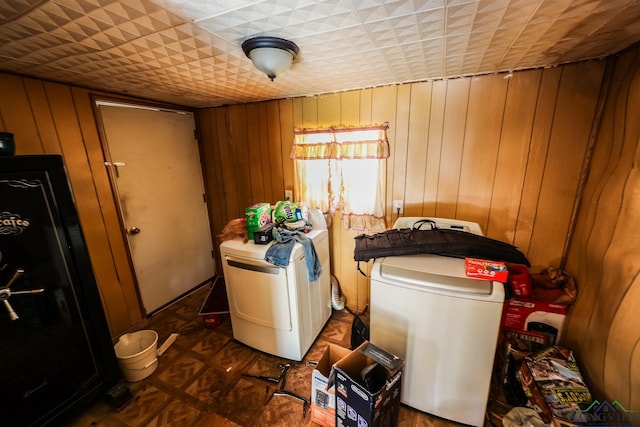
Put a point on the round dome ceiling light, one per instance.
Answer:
(271, 55)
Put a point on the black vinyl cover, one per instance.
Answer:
(453, 243)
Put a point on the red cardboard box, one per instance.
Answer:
(527, 315)
(483, 269)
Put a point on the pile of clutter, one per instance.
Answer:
(260, 219)
(540, 380)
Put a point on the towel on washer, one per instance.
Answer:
(279, 252)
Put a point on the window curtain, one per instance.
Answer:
(343, 168)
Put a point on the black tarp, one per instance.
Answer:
(447, 242)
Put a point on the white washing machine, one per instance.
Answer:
(444, 324)
(274, 309)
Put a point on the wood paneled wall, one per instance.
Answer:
(505, 150)
(604, 255)
(50, 118)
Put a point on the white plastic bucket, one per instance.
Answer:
(137, 354)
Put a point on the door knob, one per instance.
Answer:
(134, 230)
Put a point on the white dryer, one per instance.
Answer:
(444, 324)
(274, 309)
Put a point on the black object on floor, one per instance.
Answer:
(119, 395)
(359, 332)
(216, 302)
(280, 391)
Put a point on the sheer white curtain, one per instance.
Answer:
(343, 168)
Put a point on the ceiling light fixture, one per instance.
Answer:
(271, 55)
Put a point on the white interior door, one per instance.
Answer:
(156, 164)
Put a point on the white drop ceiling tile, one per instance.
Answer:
(489, 17)
(474, 56)
(283, 18)
(477, 46)
(153, 48)
(336, 44)
(487, 21)
(114, 14)
(494, 55)
(83, 28)
(202, 9)
(453, 66)
(394, 58)
(386, 33)
(490, 6)
(371, 10)
(429, 24)
(518, 13)
(456, 45)
(532, 33)
(457, 2)
(83, 6)
(551, 10)
(470, 68)
(406, 28)
(123, 34)
(134, 10)
(57, 14)
(11, 49)
(35, 25)
(34, 46)
(356, 33)
(461, 14)
(14, 31)
(425, 50)
(579, 10)
(505, 36)
(9, 9)
(431, 30)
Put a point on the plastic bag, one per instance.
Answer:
(234, 228)
(522, 417)
(554, 286)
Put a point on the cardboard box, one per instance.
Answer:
(323, 397)
(484, 269)
(371, 401)
(257, 215)
(553, 383)
(527, 315)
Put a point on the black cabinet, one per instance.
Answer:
(55, 347)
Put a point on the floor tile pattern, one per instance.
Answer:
(202, 381)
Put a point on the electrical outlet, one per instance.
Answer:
(398, 206)
(288, 195)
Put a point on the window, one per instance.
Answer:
(343, 168)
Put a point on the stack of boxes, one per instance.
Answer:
(535, 324)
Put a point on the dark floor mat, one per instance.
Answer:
(216, 302)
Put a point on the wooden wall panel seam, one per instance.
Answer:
(605, 87)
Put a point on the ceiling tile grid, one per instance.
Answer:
(188, 51)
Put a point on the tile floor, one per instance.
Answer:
(199, 381)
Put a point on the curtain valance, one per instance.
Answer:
(368, 142)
